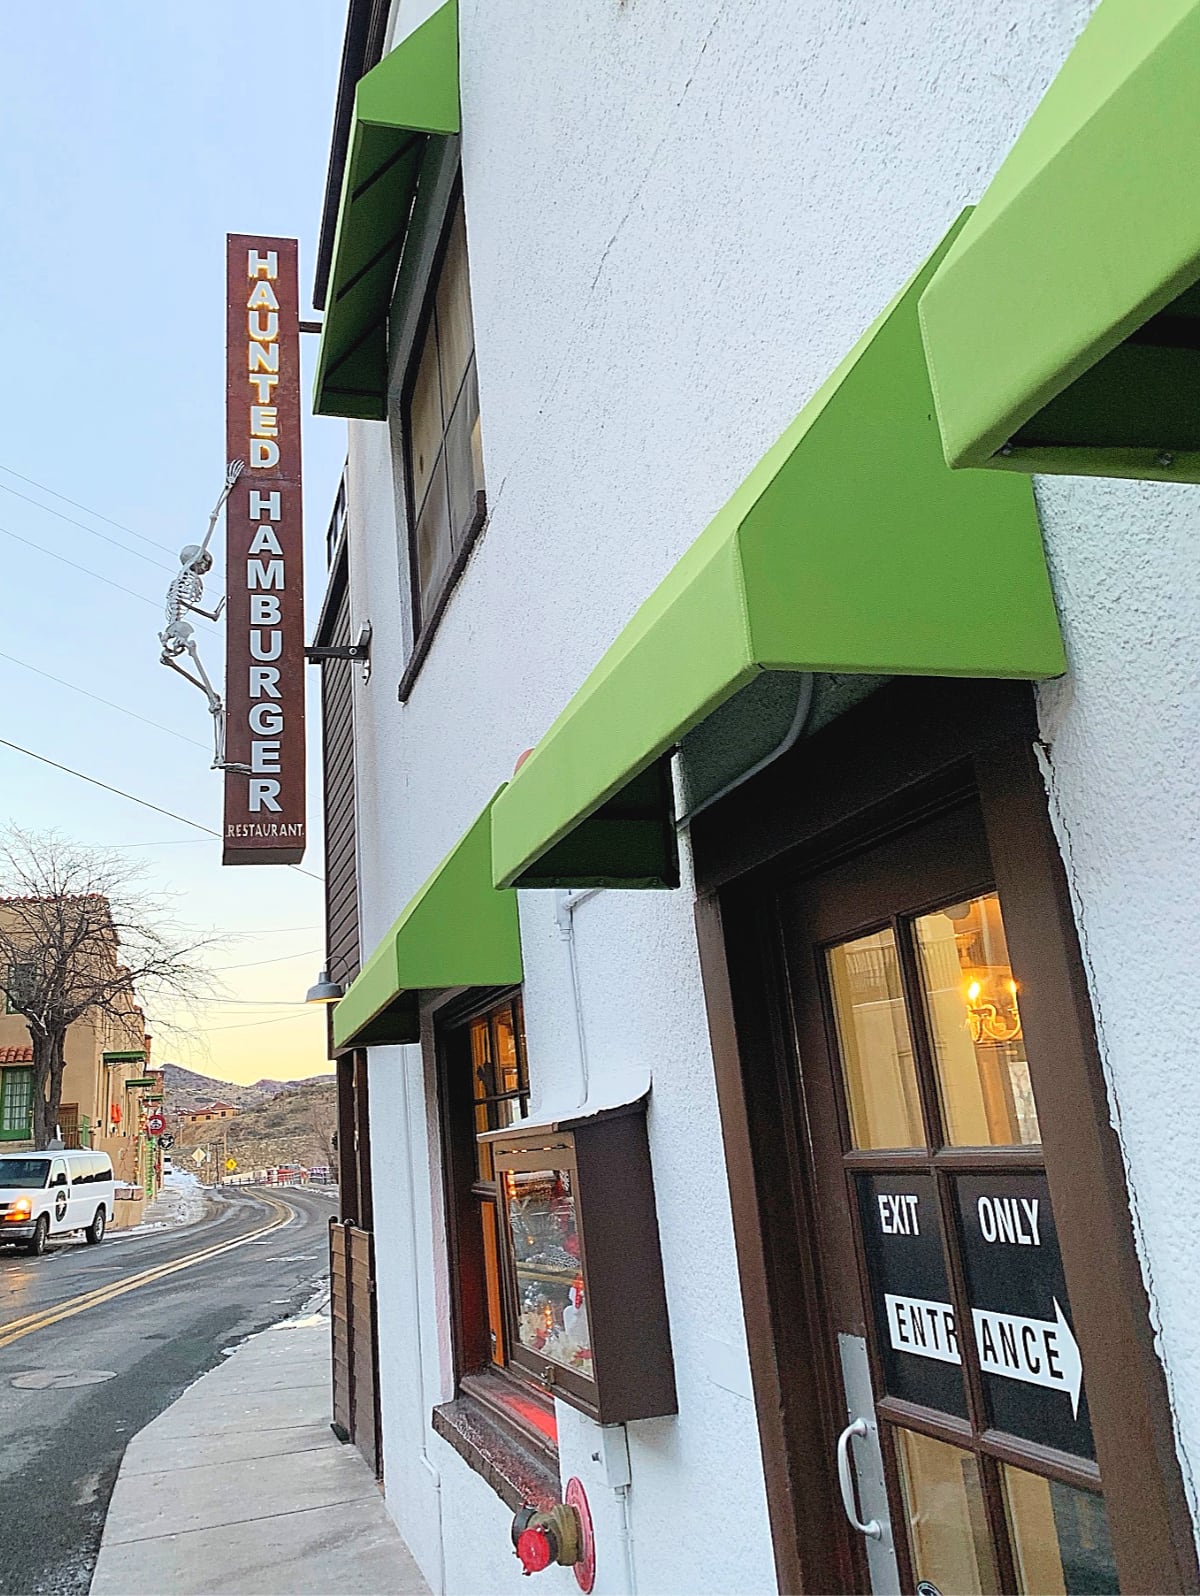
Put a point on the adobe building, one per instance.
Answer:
(105, 1080)
(209, 1113)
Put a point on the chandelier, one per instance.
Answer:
(992, 1013)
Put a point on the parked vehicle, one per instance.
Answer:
(53, 1193)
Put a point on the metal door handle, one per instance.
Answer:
(872, 1527)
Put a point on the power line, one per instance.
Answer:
(284, 958)
(249, 1025)
(121, 793)
(95, 697)
(83, 527)
(172, 842)
(87, 571)
(86, 508)
(253, 1003)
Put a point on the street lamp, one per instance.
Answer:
(325, 991)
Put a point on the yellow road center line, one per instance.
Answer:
(102, 1292)
(15, 1329)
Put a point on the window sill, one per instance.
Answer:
(518, 1464)
(430, 625)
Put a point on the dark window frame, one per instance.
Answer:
(496, 1400)
(427, 615)
(13, 984)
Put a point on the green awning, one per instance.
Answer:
(1063, 327)
(852, 548)
(413, 92)
(458, 930)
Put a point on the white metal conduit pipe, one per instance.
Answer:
(790, 738)
(414, 1299)
(565, 906)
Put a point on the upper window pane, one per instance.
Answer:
(439, 426)
(508, 1078)
(975, 1021)
(463, 469)
(425, 420)
(456, 339)
(435, 551)
(875, 1043)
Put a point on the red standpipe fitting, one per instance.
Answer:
(534, 1550)
(561, 1533)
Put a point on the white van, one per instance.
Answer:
(53, 1193)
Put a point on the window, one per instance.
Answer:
(20, 978)
(16, 1105)
(485, 1086)
(439, 424)
(500, 1081)
(337, 758)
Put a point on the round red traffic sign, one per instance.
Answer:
(155, 1123)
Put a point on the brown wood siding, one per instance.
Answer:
(342, 950)
(355, 1340)
(340, 1323)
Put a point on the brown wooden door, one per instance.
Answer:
(955, 1382)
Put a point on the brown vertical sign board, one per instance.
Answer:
(264, 638)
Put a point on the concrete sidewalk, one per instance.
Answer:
(241, 1488)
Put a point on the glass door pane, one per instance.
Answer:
(947, 1521)
(971, 1004)
(1060, 1537)
(875, 1043)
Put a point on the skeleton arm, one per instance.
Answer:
(177, 637)
(232, 473)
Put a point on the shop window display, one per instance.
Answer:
(552, 1315)
(583, 1255)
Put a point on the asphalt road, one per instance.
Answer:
(89, 1353)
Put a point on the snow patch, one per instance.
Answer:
(182, 1200)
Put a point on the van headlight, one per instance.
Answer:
(21, 1209)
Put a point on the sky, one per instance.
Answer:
(133, 137)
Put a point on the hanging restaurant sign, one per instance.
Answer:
(264, 639)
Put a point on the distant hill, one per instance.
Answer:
(278, 1122)
(185, 1089)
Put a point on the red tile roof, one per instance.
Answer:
(16, 1055)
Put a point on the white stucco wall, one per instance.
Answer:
(680, 217)
(1123, 731)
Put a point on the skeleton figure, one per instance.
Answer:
(184, 595)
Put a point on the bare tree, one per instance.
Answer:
(81, 939)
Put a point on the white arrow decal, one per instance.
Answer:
(1035, 1351)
